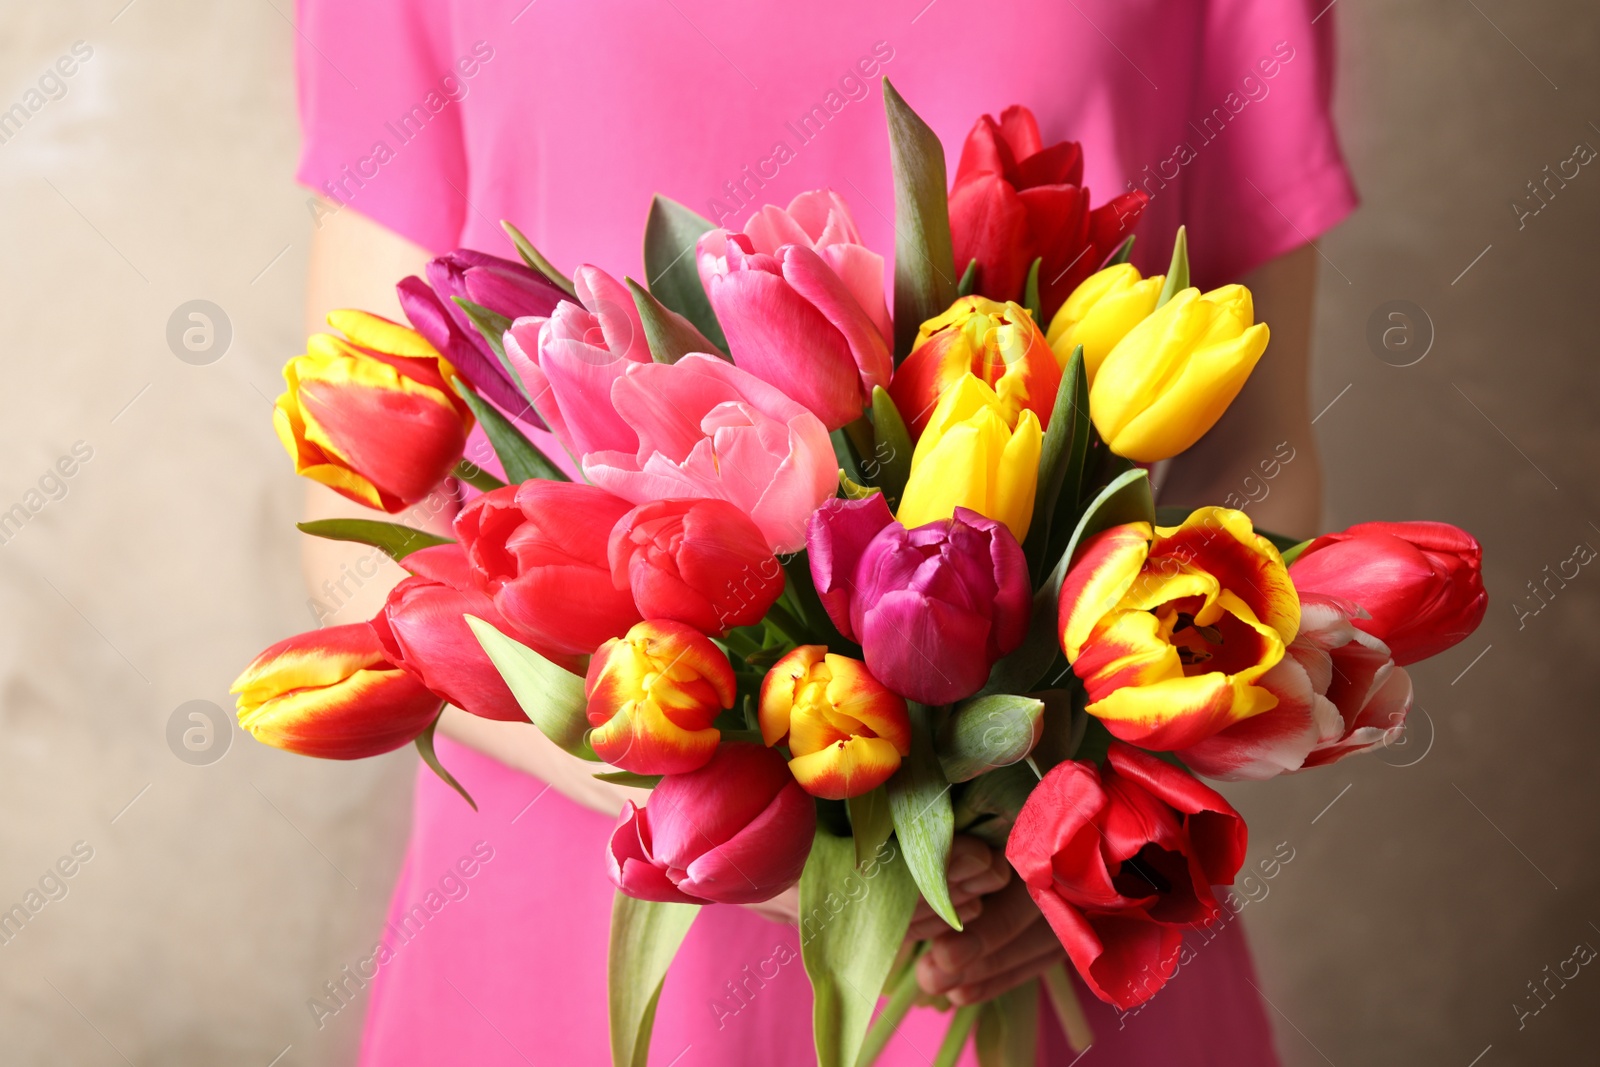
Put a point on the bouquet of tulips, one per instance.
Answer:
(837, 586)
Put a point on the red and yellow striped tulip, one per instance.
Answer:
(1170, 629)
(653, 694)
(1100, 312)
(847, 731)
(372, 415)
(332, 693)
(999, 344)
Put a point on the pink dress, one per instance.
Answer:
(438, 118)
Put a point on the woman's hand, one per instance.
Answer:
(1006, 945)
(975, 871)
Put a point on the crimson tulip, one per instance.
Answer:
(1121, 859)
(735, 831)
(1420, 583)
(652, 697)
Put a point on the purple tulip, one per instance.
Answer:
(500, 285)
(933, 608)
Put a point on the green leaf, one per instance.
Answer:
(902, 994)
(492, 327)
(892, 448)
(519, 456)
(1069, 1011)
(987, 732)
(924, 822)
(1178, 272)
(1124, 250)
(550, 695)
(924, 267)
(955, 1038)
(396, 540)
(535, 259)
(1030, 294)
(844, 450)
(645, 935)
(852, 925)
(1126, 499)
(1293, 552)
(870, 823)
(969, 279)
(1065, 722)
(669, 334)
(1066, 442)
(990, 802)
(670, 269)
(477, 477)
(638, 781)
(854, 490)
(424, 744)
(1008, 1028)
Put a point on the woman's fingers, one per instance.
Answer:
(928, 926)
(1006, 915)
(1040, 956)
(969, 857)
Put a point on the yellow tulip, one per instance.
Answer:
(1170, 379)
(969, 456)
(1100, 312)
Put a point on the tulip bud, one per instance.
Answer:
(700, 562)
(736, 831)
(653, 695)
(373, 415)
(332, 693)
(971, 457)
(997, 343)
(847, 732)
(1100, 312)
(1172, 376)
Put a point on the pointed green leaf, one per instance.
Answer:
(852, 924)
(670, 269)
(475, 476)
(854, 490)
(924, 822)
(550, 695)
(396, 540)
(969, 279)
(1008, 1028)
(1069, 425)
(424, 742)
(492, 327)
(891, 450)
(535, 259)
(870, 823)
(645, 936)
(1030, 294)
(637, 781)
(987, 732)
(1293, 552)
(519, 456)
(955, 1038)
(669, 334)
(1178, 272)
(1124, 250)
(924, 268)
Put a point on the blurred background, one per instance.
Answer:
(147, 550)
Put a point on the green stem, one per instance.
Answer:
(901, 996)
(955, 1038)
(477, 477)
(1068, 1010)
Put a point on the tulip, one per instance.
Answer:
(1419, 583)
(1171, 629)
(653, 695)
(997, 343)
(1121, 859)
(539, 550)
(504, 287)
(708, 429)
(701, 562)
(372, 415)
(933, 608)
(1172, 376)
(847, 732)
(1015, 200)
(791, 321)
(332, 693)
(1100, 312)
(1339, 693)
(971, 457)
(736, 831)
(423, 630)
(569, 359)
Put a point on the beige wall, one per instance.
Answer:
(1416, 906)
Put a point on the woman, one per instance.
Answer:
(428, 121)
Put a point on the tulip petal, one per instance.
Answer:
(762, 859)
(846, 768)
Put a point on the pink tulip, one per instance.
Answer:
(710, 430)
(569, 360)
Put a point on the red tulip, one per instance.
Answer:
(736, 831)
(1121, 859)
(701, 562)
(539, 549)
(653, 695)
(1419, 581)
(1015, 200)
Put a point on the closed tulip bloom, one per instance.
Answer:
(933, 608)
(847, 731)
(372, 415)
(736, 831)
(1171, 629)
(332, 693)
(998, 344)
(1419, 584)
(710, 430)
(1172, 376)
(539, 550)
(969, 456)
(569, 359)
(653, 695)
(1100, 312)
(701, 562)
(423, 629)
(791, 321)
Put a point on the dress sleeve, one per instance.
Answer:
(380, 84)
(1267, 174)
